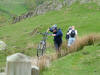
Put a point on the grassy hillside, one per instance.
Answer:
(85, 62)
(81, 16)
(15, 7)
(10, 8)
(19, 37)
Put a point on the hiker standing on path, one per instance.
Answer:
(72, 36)
(57, 33)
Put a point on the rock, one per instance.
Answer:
(59, 6)
(85, 1)
(35, 70)
(41, 9)
(17, 57)
(2, 45)
(70, 2)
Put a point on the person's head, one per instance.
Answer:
(54, 28)
(70, 28)
(73, 27)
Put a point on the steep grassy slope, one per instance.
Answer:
(85, 62)
(10, 8)
(15, 7)
(18, 7)
(85, 19)
(19, 39)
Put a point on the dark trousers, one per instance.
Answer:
(57, 45)
(58, 48)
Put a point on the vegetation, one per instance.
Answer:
(84, 62)
(22, 36)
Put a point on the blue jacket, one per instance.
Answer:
(58, 37)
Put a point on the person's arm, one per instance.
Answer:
(76, 34)
(53, 34)
(48, 29)
(59, 33)
(69, 32)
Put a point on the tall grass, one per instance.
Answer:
(45, 60)
(84, 41)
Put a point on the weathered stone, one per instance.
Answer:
(70, 2)
(59, 6)
(85, 1)
(18, 64)
(41, 9)
(35, 70)
(2, 45)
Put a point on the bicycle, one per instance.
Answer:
(42, 45)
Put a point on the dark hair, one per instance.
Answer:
(52, 28)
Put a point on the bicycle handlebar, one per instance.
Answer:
(45, 33)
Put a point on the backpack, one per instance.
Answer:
(72, 33)
(67, 36)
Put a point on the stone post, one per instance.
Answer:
(18, 64)
(35, 70)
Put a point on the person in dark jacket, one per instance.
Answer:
(57, 33)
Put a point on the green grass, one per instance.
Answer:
(85, 62)
(10, 8)
(19, 34)
(18, 39)
(15, 7)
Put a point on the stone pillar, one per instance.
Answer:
(35, 70)
(18, 64)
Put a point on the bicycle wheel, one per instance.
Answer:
(40, 49)
(44, 47)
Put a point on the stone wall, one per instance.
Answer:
(41, 9)
(48, 6)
